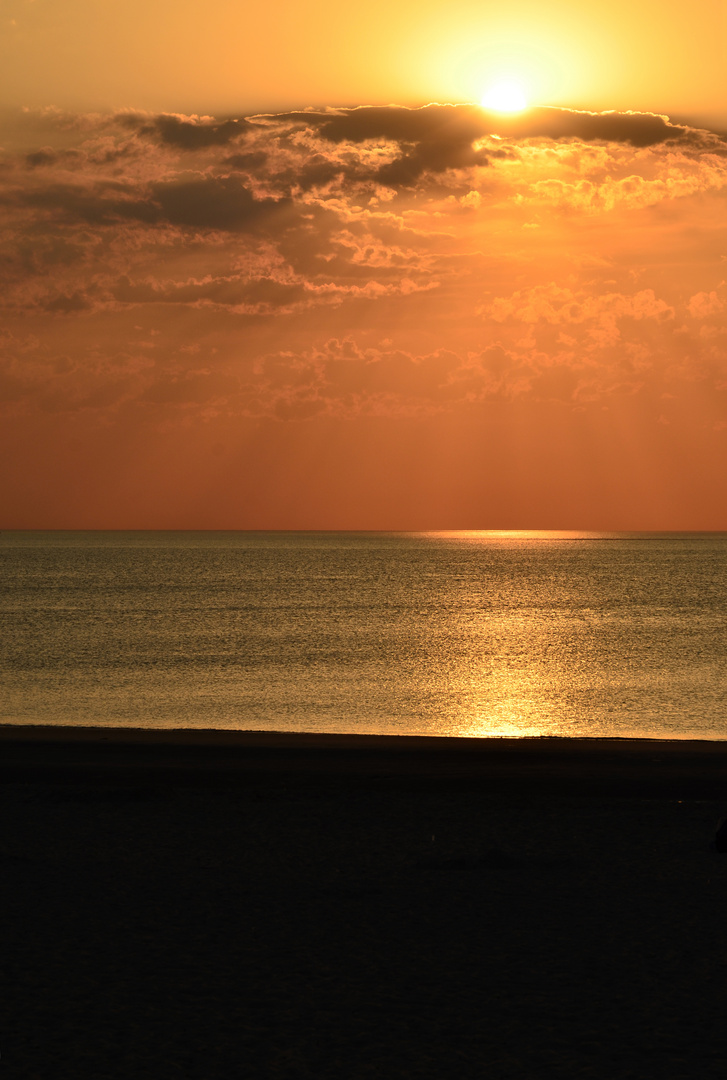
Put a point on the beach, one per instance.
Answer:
(213, 904)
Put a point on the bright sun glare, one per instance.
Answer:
(506, 96)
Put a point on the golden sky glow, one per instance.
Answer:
(240, 289)
(224, 56)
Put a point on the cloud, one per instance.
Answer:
(457, 125)
(188, 133)
(261, 294)
(222, 202)
(217, 202)
(703, 304)
(67, 305)
(433, 138)
(39, 158)
(249, 161)
(561, 305)
(96, 204)
(440, 137)
(364, 261)
(635, 129)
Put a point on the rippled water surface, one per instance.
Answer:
(440, 633)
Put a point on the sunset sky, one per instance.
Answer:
(281, 268)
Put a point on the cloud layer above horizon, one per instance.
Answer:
(165, 272)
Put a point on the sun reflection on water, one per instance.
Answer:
(506, 693)
(512, 534)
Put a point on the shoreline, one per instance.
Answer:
(192, 756)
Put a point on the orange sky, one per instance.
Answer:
(331, 316)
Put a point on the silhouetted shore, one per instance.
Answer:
(202, 905)
(637, 767)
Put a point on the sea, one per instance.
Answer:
(484, 634)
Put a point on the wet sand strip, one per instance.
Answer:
(649, 768)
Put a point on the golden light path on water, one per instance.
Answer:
(505, 695)
(527, 659)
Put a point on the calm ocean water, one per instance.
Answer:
(440, 633)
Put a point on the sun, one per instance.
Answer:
(507, 96)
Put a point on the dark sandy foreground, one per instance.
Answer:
(261, 909)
